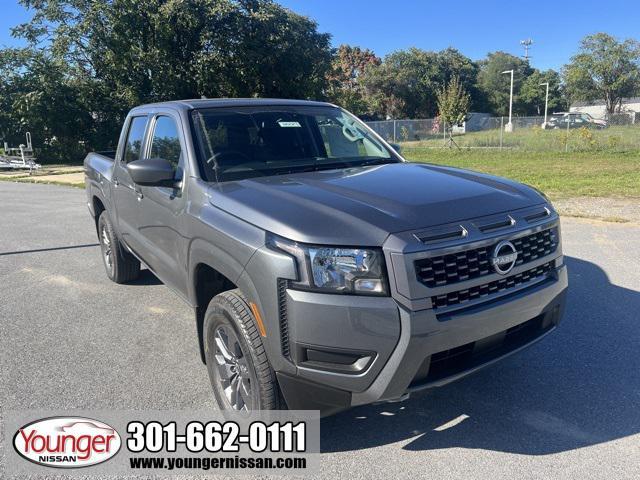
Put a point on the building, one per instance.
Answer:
(597, 108)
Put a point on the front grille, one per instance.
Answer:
(283, 320)
(461, 296)
(474, 263)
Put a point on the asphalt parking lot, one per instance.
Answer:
(569, 407)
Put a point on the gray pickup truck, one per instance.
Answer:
(323, 269)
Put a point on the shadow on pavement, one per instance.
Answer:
(578, 387)
(146, 278)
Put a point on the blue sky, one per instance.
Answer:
(473, 27)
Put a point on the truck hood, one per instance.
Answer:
(362, 206)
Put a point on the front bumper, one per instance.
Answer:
(343, 351)
(411, 350)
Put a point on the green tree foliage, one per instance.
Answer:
(604, 68)
(107, 56)
(453, 103)
(454, 64)
(531, 97)
(345, 87)
(495, 85)
(38, 96)
(404, 85)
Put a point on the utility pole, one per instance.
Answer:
(509, 126)
(527, 45)
(546, 104)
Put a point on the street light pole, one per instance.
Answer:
(546, 104)
(509, 126)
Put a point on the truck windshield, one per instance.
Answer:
(246, 142)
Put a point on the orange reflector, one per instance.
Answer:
(256, 314)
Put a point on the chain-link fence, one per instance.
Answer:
(624, 118)
(564, 132)
(408, 130)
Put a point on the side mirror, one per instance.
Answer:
(152, 172)
(396, 147)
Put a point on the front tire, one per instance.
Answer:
(241, 376)
(120, 265)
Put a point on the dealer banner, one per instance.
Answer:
(160, 442)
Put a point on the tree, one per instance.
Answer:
(405, 83)
(531, 97)
(495, 85)
(38, 97)
(158, 49)
(345, 88)
(112, 55)
(453, 105)
(454, 64)
(604, 68)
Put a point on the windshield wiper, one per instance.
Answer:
(317, 168)
(335, 165)
(377, 161)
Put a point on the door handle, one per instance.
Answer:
(139, 194)
(115, 182)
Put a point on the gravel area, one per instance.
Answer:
(605, 208)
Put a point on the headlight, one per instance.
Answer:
(357, 271)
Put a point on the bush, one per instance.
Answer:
(587, 140)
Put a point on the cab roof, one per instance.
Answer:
(232, 102)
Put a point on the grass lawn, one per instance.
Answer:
(559, 175)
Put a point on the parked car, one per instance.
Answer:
(324, 270)
(575, 120)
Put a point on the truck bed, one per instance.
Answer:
(99, 164)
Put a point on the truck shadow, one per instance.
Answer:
(146, 278)
(578, 387)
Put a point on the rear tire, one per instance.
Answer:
(241, 375)
(120, 265)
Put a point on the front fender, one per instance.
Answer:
(221, 241)
(204, 252)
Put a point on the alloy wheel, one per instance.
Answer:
(107, 252)
(233, 369)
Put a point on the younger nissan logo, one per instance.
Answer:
(504, 257)
(67, 442)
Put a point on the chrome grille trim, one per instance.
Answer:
(468, 264)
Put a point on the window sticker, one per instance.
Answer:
(289, 124)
